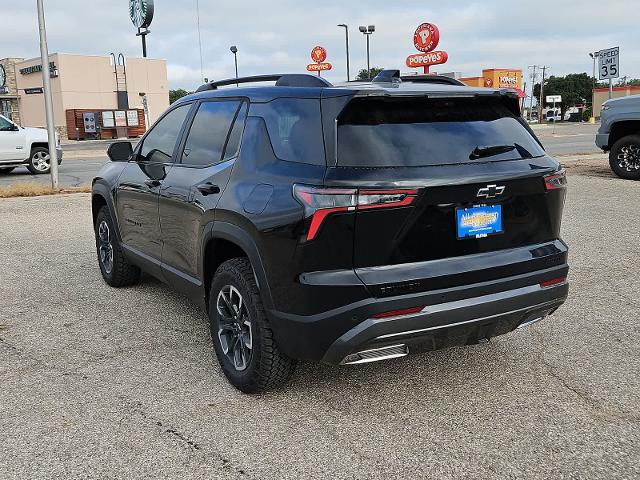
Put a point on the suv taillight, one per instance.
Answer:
(320, 202)
(556, 180)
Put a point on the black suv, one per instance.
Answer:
(343, 224)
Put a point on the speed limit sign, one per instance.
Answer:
(609, 63)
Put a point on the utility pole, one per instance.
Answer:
(48, 101)
(541, 105)
(533, 83)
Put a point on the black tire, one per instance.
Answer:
(624, 157)
(6, 170)
(37, 161)
(266, 366)
(118, 272)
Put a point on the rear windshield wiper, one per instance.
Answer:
(490, 151)
(482, 152)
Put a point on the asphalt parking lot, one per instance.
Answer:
(104, 383)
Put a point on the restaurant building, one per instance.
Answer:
(93, 96)
(497, 78)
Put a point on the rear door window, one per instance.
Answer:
(209, 132)
(415, 132)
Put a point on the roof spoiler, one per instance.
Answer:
(282, 80)
(393, 76)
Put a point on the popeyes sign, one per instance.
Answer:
(319, 55)
(426, 39)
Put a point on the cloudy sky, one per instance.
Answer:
(277, 35)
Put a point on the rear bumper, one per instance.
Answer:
(462, 322)
(459, 315)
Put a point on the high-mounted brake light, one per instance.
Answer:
(556, 180)
(319, 203)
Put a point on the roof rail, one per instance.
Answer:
(282, 80)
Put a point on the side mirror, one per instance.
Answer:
(14, 128)
(120, 151)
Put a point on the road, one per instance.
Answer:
(104, 383)
(82, 160)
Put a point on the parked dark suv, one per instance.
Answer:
(341, 224)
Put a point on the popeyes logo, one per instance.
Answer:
(426, 39)
(318, 54)
(508, 81)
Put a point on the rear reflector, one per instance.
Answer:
(552, 282)
(321, 202)
(398, 313)
(555, 180)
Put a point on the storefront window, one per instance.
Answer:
(5, 109)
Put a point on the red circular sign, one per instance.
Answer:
(426, 37)
(318, 54)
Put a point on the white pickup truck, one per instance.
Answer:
(25, 146)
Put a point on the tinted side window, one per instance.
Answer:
(5, 125)
(209, 132)
(233, 145)
(295, 129)
(159, 143)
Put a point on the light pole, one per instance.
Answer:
(48, 101)
(234, 50)
(346, 33)
(594, 56)
(367, 32)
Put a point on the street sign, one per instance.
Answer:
(609, 63)
(554, 98)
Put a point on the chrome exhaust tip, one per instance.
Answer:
(530, 322)
(376, 354)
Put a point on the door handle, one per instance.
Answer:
(208, 189)
(152, 183)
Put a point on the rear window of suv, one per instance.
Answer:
(295, 128)
(412, 132)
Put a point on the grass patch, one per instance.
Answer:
(33, 189)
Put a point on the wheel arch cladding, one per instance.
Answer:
(223, 241)
(622, 129)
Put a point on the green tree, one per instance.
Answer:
(177, 94)
(575, 88)
(364, 75)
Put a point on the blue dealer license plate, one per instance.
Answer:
(479, 222)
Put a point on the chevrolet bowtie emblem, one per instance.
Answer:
(490, 191)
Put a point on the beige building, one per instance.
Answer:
(601, 95)
(9, 106)
(90, 83)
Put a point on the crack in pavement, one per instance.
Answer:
(593, 403)
(183, 440)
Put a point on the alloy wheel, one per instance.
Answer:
(105, 249)
(234, 329)
(41, 161)
(629, 158)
